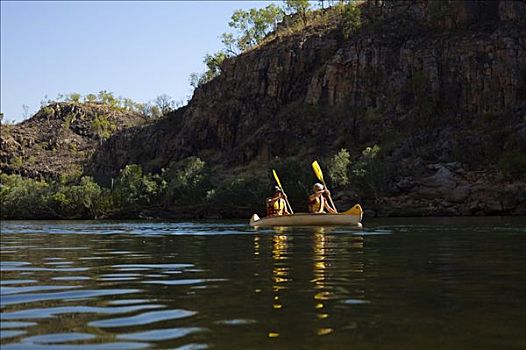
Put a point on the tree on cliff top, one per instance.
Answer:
(213, 69)
(253, 25)
(301, 7)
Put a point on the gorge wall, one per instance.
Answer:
(60, 138)
(440, 86)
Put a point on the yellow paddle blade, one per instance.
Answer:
(277, 178)
(356, 210)
(317, 170)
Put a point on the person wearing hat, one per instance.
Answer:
(317, 201)
(276, 204)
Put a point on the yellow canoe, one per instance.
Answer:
(351, 217)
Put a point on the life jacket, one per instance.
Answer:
(317, 205)
(275, 206)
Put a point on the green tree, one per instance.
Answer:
(301, 7)
(187, 182)
(253, 25)
(230, 43)
(242, 193)
(90, 98)
(213, 69)
(370, 174)
(213, 64)
(108, 99)
(133, 190)
(79, 200)
(16, 162)
(150, 110)
(74, 97)
(351, 19)
(338, 168)
(22, 198)
(102, 127)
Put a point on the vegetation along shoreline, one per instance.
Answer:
(413, 108)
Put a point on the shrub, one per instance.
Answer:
(102, 127)
(133, 190)
(90, 98)
(187, 182)
(338, 168)
(74, 97)
(370, 173)
(16, 162)
(351, 19)
(81, 199)
(22, 198)
(243, 192)
(71, 198)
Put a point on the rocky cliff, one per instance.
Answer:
(439, 85)
(60, 138)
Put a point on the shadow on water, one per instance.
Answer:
(396, 284)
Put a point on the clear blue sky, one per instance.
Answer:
(134, 49)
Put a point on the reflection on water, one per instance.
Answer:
(398, 284)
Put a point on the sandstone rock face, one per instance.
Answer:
(59, 139)
(234, 117)
(432, 82)
(457, 192)
(443, 75)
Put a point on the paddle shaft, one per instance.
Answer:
(282, 191)
(330, 197)
(319, 174)
(287, 201)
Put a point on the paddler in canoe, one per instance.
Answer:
(317, 201)
(277, 205)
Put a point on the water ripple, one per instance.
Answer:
(161, 334)
(18, 290)
(40, 313)
(9, 282)
(142, 319)
(58, 338)
(172, 285)
(81, 294)
(9, 325)
(10, 334)
(98, 346)
(154, 266)
(183, 282)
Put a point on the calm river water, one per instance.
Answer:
(398, 284)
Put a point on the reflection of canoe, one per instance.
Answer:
(351, 217)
